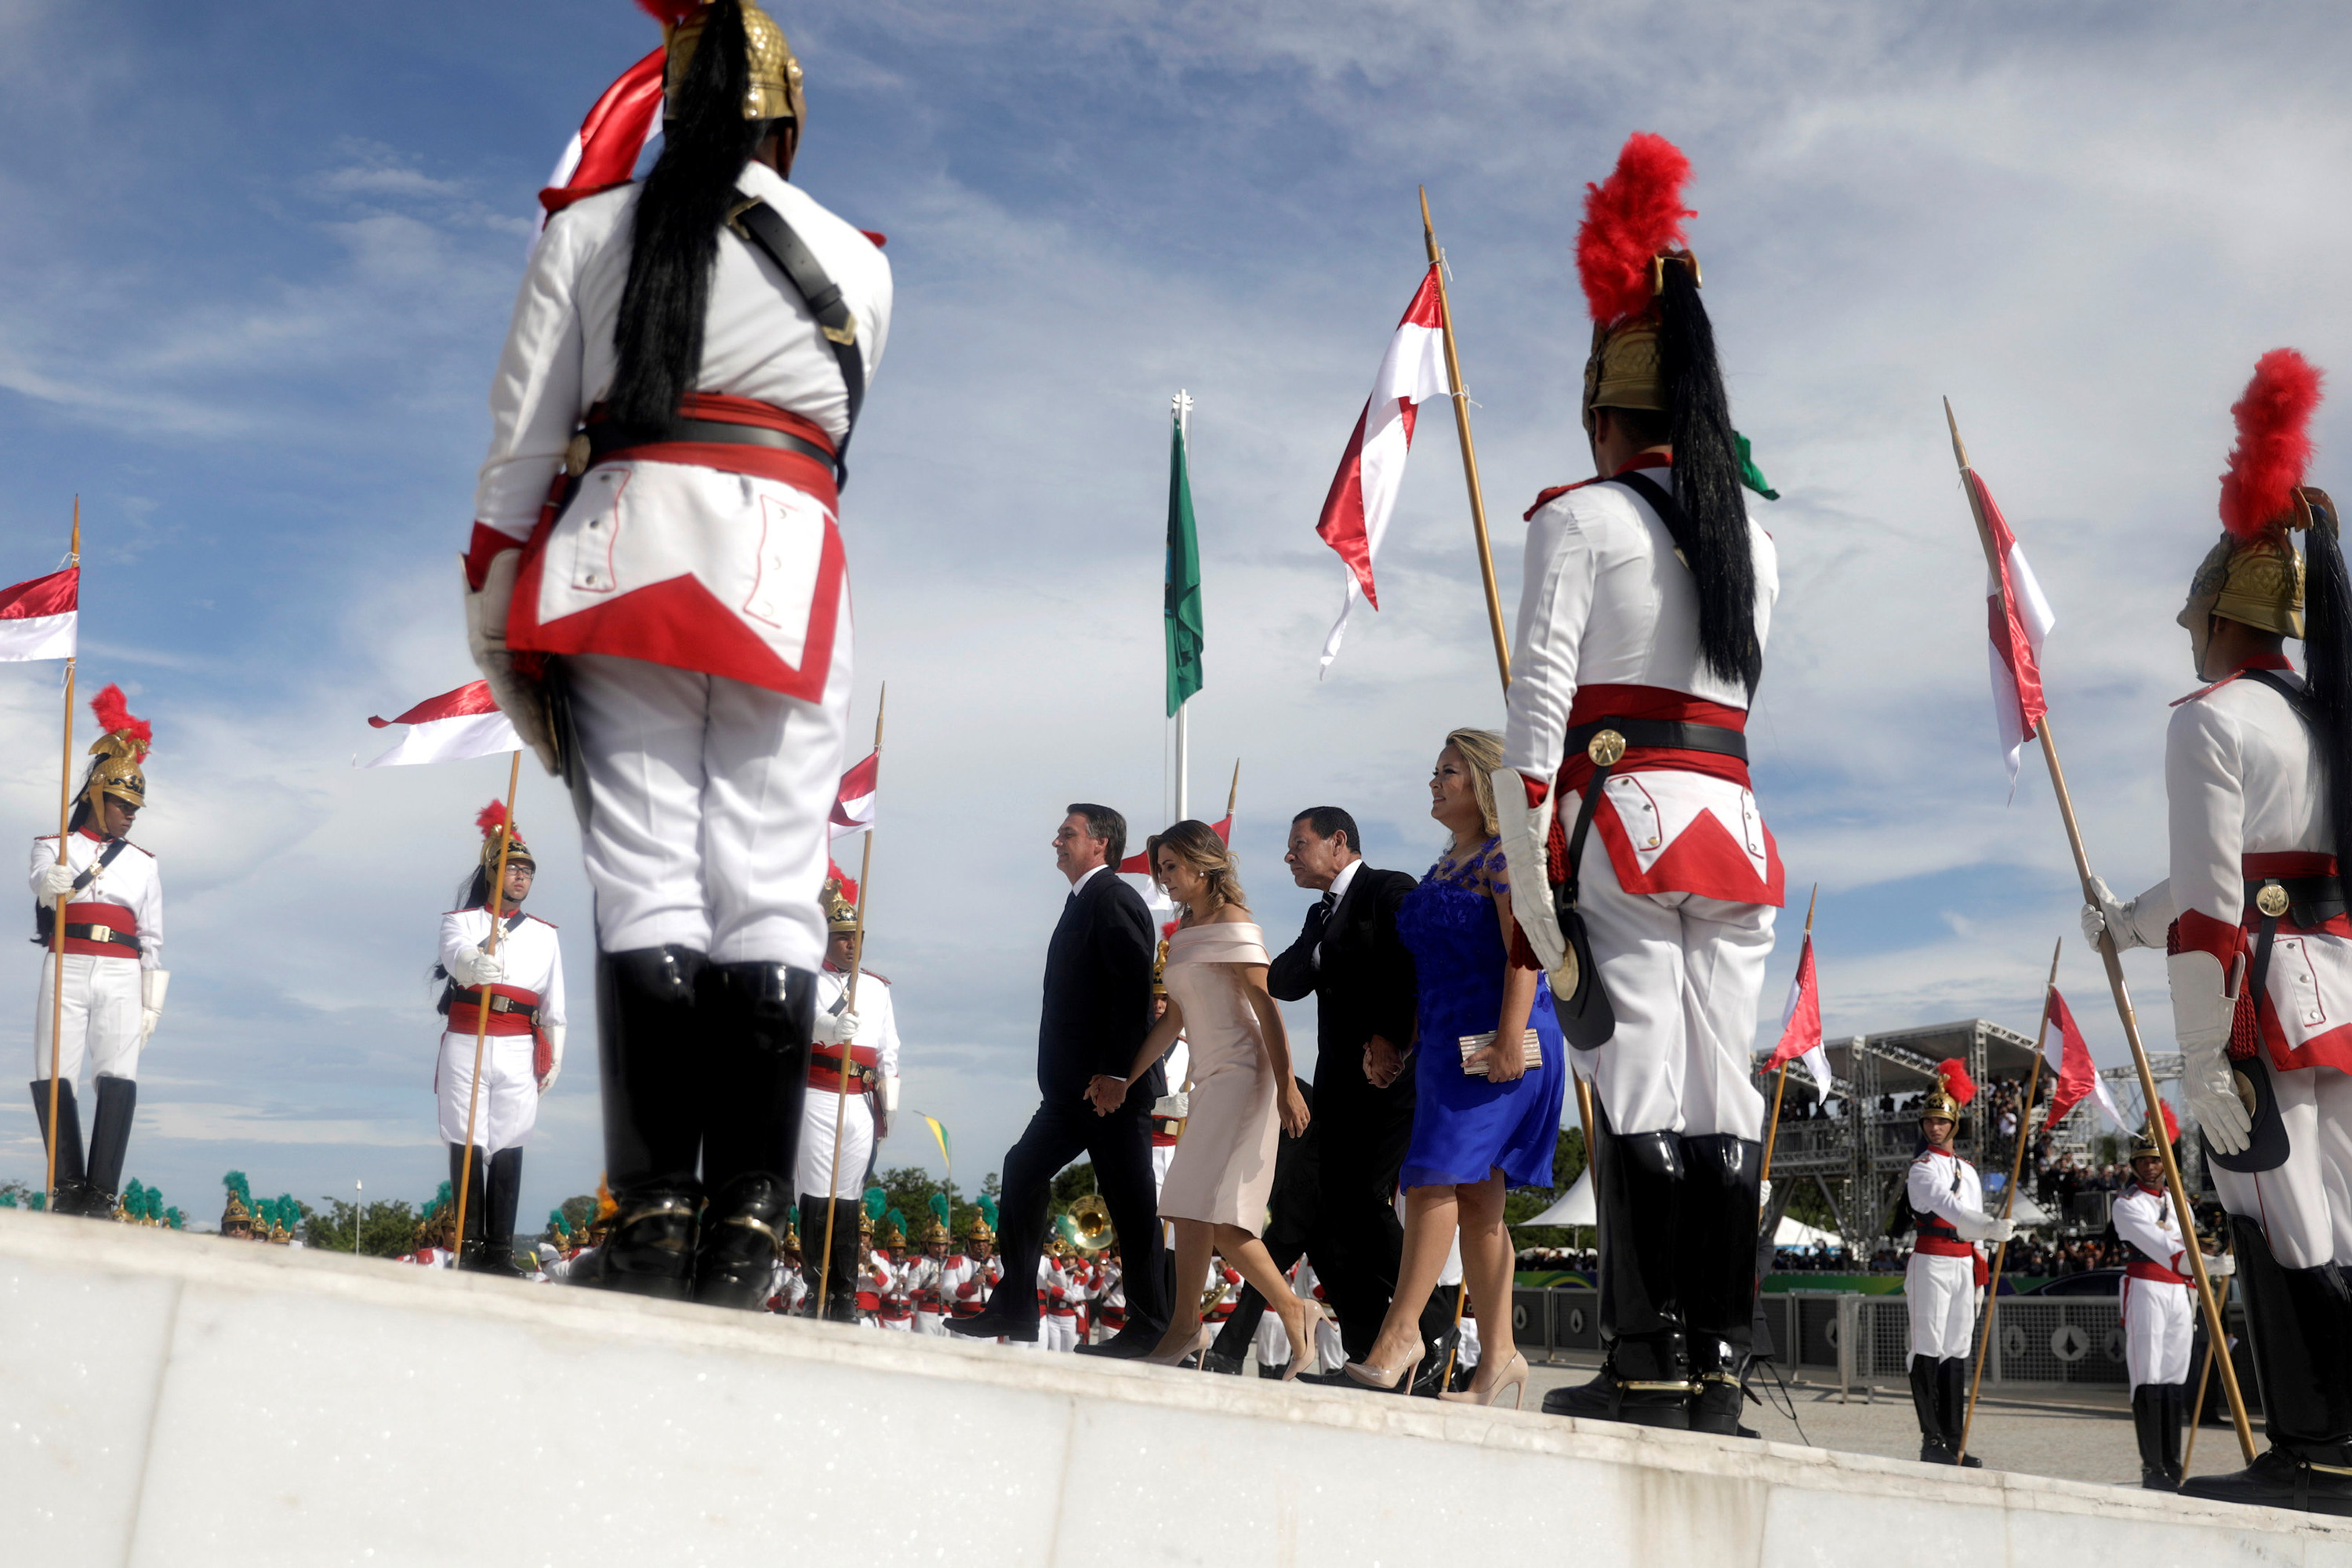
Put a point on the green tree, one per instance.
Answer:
(387, 1227)
(1567, 1161)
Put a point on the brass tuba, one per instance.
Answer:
(1090, 1222)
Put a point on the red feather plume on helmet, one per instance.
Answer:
(1954, 1075)
(670, 12)
(849, 884)
(491, 817)
(2172, 1123)
(114, 718)
(2274, 443)
(1629, 219)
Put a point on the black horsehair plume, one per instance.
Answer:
(675, 243)
(2327, 667)
(1706, 481)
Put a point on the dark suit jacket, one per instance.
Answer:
(1098, 993)
(1364, 988)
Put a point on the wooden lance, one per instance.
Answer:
(482, 1002)
(2115, 968)
(1469, 452)
(58, 925)
(2009, 1195)
(1772, 1126)
(849, 1005)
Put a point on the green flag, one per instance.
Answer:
(1185, 639)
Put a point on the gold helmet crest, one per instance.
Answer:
(2252, 573)
(772, 85)
(120, 748)
(489, 819)
(840, 901)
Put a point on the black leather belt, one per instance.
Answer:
(605, 437)
(101, 933)
(529, 1010)
(1662, 734)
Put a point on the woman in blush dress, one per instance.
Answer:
(1474, 1135)
(1243, 1095)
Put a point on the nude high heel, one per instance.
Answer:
(1200, 1341)
(1380, 1377)
(1311, 1315)
(1514, 1376)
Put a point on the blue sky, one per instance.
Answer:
(258, 260)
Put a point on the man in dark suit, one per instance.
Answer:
(1349, 957)
(1098, 1010)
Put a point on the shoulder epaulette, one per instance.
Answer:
(44, 837)
(541, 919)
(149, 853)
(2208, 692)
(875, 974)
(1545, 497)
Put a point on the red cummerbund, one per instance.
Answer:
(824, 1068)
(2144, 1269)
(466, 1011)
(2284, 863)
(1594, 703)
(113, 917)
(1938, 1246)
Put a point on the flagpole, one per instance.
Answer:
(2197, 1409)
(482, 1007)
(1469, 452)
(65, 815)
(2009, 1197)
(2115, 968)
(1772, 1128)
(1181, 406)
(849, 1005)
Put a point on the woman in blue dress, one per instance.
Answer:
(1484, 1123)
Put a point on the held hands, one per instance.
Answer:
(1291, 1106)
(1105, 1093)
(1383, 1063)
(55, 881)
(1506, 1059)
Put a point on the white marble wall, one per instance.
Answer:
(178, 1400)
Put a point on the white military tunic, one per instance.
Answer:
(699, 593)
(876, 1047)
(1939, 1283)
(509, 1103)
(2160, 1312)
(104, 1013)
(1679, 878)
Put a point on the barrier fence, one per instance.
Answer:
(1867, 1339)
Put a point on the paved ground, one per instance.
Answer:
(2084, 1436)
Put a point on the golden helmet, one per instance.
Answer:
(840, 901)
(1632, 235)
(121, 746)
(773, 89)
(1954, 1089)
(489, 819)
(2252, 573)
(2144, 1144)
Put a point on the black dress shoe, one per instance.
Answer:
(1607, 1399)
(651, 1249)
(1128, 1344)
(2278, 1480)
(1337, 1380)
(735, 1250)
(1717, 1408)
(989, 1324)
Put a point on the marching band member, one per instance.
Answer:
(2258, 783)
(658, 593)
(114, 978)
(1648, 595)
(894, 1286)
(1946, 1267)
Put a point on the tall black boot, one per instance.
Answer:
(72, 1180)
(497, 1187)
(1716, 1273)
(110, 1139)
(1933, 1447)
(1645, 1370)
(840, 1278)
(1952, 1403)
(2147, 1425)
(653, 1069)
(757, 1021)
(474, 1182)
(2300, 1324)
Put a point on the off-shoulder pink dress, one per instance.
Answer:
(1224, 1169)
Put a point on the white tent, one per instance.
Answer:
(1575, 1207)
(1796, 1233)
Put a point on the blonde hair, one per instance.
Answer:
(1196, 844)
(1483, 750)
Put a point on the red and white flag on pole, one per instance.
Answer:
(2069, 1056)
(1800, 1025)
(2021, 618)
(853, 805)
(604, 152)
(450, 728)
(1364, 492)
(36, 618)
(1139, 864)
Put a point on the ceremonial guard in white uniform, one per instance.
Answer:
(656, 590)
(114, 977)
(872, 1033)
(2159, 1307)
(1648, 594)
(1946, 1267)
(2258, 782)
(521, 1046)
(977, 1272)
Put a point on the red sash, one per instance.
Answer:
(114, 918)
(466, 1012)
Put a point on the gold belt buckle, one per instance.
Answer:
(2272, 898)
(1607, 748)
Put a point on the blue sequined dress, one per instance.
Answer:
(1464, 1127)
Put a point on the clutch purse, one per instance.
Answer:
(1473, 1044)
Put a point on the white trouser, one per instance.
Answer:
(509, 1103)
(1272, 1341)
(905, 1325)
(816, 1161)
(1058, 1331)
(1942, 1295)
(1468, 1355)
(2305, 1205)
(2159, 1318)
(103, 1015)
(708, 802)
(932, 1323)
(1683, 973)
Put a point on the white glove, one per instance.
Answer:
(889, 1094)
(554, 1057)
(2220, 1266)
(54, 881)
(1983, 1228)
(2201, 1015)
(153, 985)
(486, 637)
(835, 1028)
(1764, 1197)
(472, 968)
(2134, 922)
(1524, 842)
